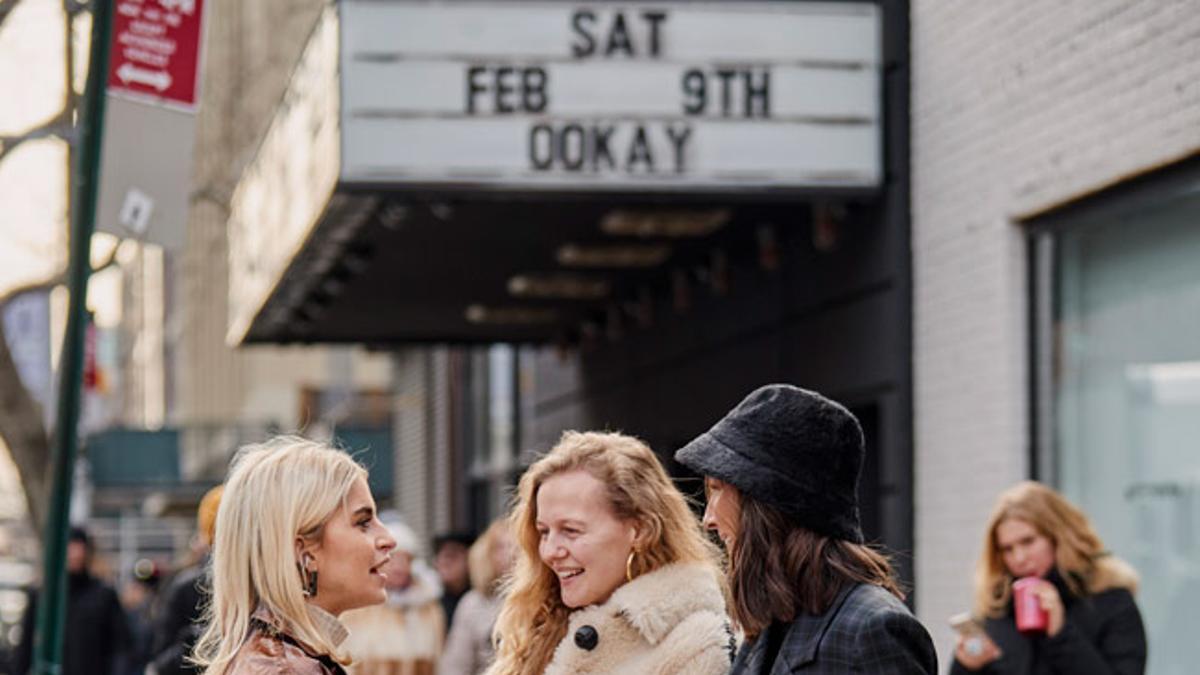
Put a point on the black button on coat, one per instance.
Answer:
(586, 638)
(671, 620)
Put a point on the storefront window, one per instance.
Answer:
(1119, 370)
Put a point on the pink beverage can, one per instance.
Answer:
(1031, 618)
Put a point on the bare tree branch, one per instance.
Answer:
(58, 127)
(27, 439)
(56, 280)
(6, 7)
(21, 415)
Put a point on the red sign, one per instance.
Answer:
(91, 370)
(156, 50)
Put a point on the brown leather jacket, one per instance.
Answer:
(270, 651)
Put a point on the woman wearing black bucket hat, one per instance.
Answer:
(781, 474)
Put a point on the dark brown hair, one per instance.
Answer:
(779, 569)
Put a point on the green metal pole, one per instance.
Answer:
(52, 601)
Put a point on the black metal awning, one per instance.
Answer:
(381, 269)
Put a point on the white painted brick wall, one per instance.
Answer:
(1017, 107)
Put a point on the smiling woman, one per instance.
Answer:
(614, 574)
(297, 543)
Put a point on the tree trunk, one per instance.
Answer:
(22, 430)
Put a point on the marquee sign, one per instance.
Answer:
(634, 96)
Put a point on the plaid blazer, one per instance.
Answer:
(866, 630)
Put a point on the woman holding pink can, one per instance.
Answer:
(1050, 598)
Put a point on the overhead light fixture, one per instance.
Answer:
(392, 215)
(668, 224)
(509, 315)
(614, 256)
(348, 215)
(563, 286)
(357, 259)
(314, 309)
(443, 211)
(333, 285)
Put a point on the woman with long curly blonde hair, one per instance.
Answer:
(1094, 625)
(614, 573)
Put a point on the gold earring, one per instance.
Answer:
(629, 565)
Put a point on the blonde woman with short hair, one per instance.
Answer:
(614, 573)
(297, 543)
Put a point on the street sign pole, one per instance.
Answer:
(51, 610)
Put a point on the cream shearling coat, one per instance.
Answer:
(671, 620)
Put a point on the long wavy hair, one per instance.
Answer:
(1079, 555)
(533, 619)
(285, 488)
(779, 569)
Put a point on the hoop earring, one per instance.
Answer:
(629, 566)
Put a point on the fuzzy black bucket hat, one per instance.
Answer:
(793, 449)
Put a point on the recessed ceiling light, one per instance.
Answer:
(509, 315)
(613, 255)
(567, 286)
(670, 224)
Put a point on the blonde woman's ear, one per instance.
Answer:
(303, 556)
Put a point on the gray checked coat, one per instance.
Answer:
(866, 630)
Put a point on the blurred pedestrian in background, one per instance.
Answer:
(469, 644)
(138, 598)
(177, 626)
(781, 476)
(450, 561)
(96, 631)
(404, 635)
(1091, 623)
(614, 573)
(297, 544)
